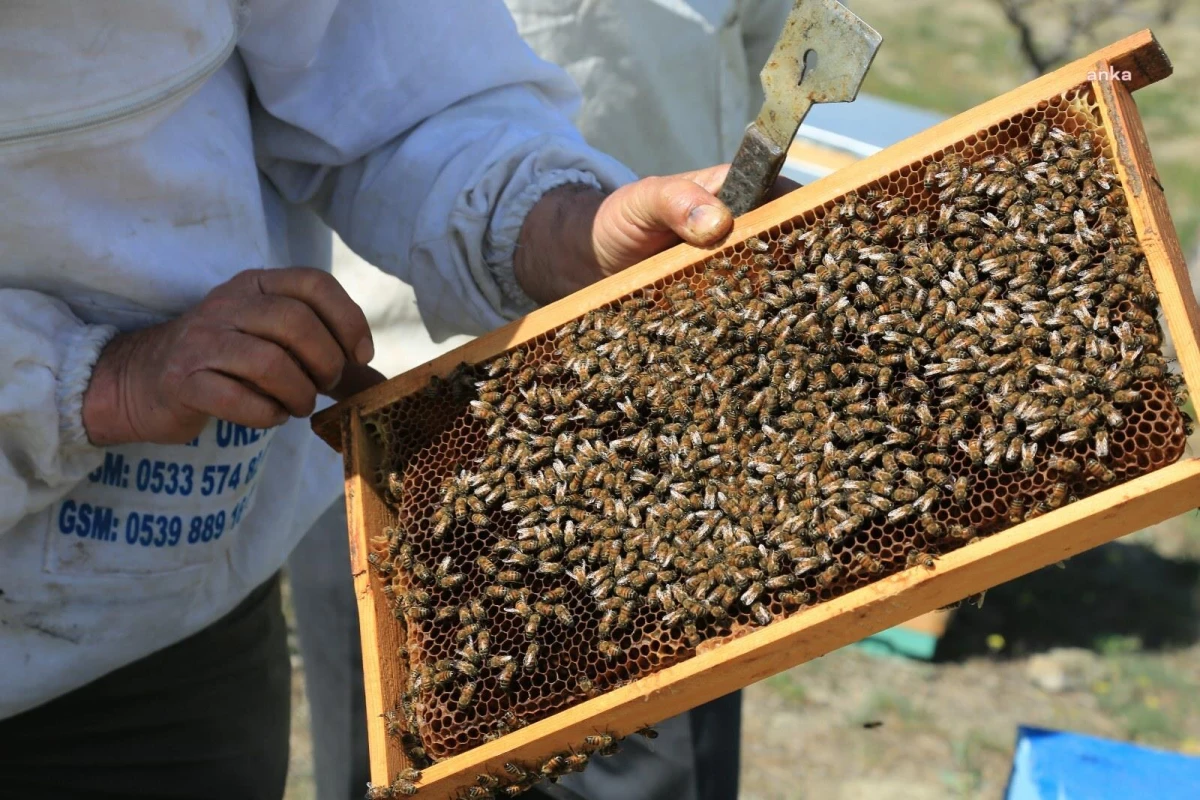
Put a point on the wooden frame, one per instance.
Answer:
(722, 668)
(383, 670)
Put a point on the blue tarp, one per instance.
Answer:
(1056, 765)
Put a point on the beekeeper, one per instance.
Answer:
(165, 327)
(668, 85)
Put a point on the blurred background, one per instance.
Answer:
(1110, 645)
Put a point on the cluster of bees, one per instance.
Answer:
(517, 779)
(704, 455)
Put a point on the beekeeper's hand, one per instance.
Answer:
(256, 351)
(576, 235)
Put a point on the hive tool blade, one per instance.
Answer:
(822, 56)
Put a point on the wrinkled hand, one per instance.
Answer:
(576, 235)
(257, 350)
(646, 217)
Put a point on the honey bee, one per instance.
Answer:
(399, 786)
(924, 415)
(830, 574)
(381, 566)
(449, 580)
(1149, 372)
(795, 598)
(530, 660)
(918, 557)
(751, 595)
(610, 650)
(517, 771)
(554, 766)
(486, 781)
(604, 743)
(576, 761)
(467, 631)
(466, 697)
(890, 208)
(507, 673)
(757, 245)
(867, 562)
(930, 525)
(1073, 436)
(1094, 469)
(916, 384)
(972, 447)
(960, 490)
(394, 726)
(520, 559)
(563, 615)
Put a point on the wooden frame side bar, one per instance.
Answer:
(1152, 219)
(382, 667)
(764, 652)
(1139, 53)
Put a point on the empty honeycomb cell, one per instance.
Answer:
(771, 428)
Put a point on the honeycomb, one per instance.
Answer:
(846, 395)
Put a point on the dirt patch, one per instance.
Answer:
(852, 725)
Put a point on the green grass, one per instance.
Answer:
(1117, 645)
(1189, 408)
(788, 688)
(1181, 180)
(970, 753)
(928, 78)
(1164, 106)
(886, 705)
(1147, 696)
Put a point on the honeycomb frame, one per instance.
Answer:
(888, 601)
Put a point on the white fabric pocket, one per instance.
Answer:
(158, 509)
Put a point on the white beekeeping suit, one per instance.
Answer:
(150, 152)
(669, 86)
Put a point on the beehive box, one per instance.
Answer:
(656, 578)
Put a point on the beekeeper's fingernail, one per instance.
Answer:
(365, 350)
(706, 222)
